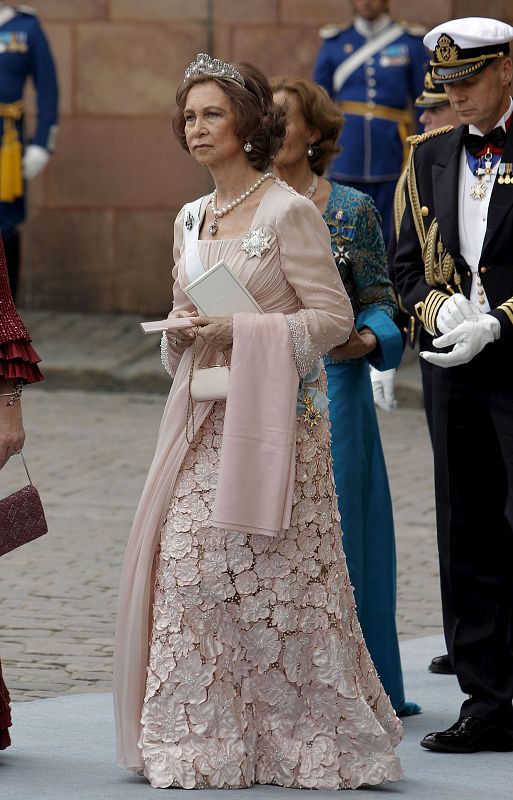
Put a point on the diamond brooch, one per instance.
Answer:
(255, 242)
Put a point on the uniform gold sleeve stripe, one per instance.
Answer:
(432, 305)
(508, 309)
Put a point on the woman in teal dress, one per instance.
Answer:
(313, 127)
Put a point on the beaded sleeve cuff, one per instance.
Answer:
(304, 352)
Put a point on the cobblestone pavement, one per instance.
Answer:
(88, 453)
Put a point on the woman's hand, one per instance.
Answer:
(182, 338)
(217, 332)
(358, 345)
(12, 434)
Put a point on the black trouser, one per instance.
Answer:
(12, 256)
(426, 371)
(473, 448)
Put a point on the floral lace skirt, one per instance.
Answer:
(258, 672)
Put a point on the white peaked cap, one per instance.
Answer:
(471, 32)
(464, 47)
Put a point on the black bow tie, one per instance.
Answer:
(476, 144)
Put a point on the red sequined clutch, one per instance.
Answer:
(22, 517)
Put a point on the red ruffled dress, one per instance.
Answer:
(18, 359)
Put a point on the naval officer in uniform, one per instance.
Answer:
(24, 53)
(436, 112)
(454, 272)
(434, 105)
(373, 69)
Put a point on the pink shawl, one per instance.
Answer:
(134, 622)
(257, 465)
(254, 494)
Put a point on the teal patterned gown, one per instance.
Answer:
(359, 465)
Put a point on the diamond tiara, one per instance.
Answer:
(203, 64)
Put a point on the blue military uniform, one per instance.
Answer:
(24, 53)
(374, 90)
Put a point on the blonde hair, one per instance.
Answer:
(319, 112)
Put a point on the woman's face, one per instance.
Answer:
(298, 136)
(436, 116)
(210, 125)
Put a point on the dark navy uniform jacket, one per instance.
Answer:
(372, 150)
(437, 163)
(24, 53)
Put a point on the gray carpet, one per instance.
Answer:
(63, 749)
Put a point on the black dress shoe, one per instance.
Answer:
(441, 665)
(470, 735)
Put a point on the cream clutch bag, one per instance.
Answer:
(210, 383)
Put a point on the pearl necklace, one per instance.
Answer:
(312, 188)
(220, 212)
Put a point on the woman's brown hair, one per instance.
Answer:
(319, 113)
(258, 119)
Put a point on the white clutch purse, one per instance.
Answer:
(210, 383)
(205, 384)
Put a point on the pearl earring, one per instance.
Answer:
(248, 147)
(309, 151)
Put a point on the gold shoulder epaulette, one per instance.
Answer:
(331, 30)
(26, 10)
(419, 138)
(413, 28)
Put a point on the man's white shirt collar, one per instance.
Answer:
(501, 123)
(370, 29)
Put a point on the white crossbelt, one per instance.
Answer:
(370, 48)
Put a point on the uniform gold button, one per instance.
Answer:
(480, 291)
(424, 211)
(481, 300)
(482, 269)
(479, 283)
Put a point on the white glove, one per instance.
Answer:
(468, 339)
(383, 386)
(454, 311)
(35, 160)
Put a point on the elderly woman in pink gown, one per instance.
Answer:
(239, 658)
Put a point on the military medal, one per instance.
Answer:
(311, 416)
(505, 173)
(478, 190)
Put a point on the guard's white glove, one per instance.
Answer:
(383, 388)
(35, 160)
(454, 311)
(468, 339)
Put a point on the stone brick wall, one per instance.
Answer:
(100, 231)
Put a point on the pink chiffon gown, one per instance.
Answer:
(239, 657)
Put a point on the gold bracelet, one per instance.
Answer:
(15, 394)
